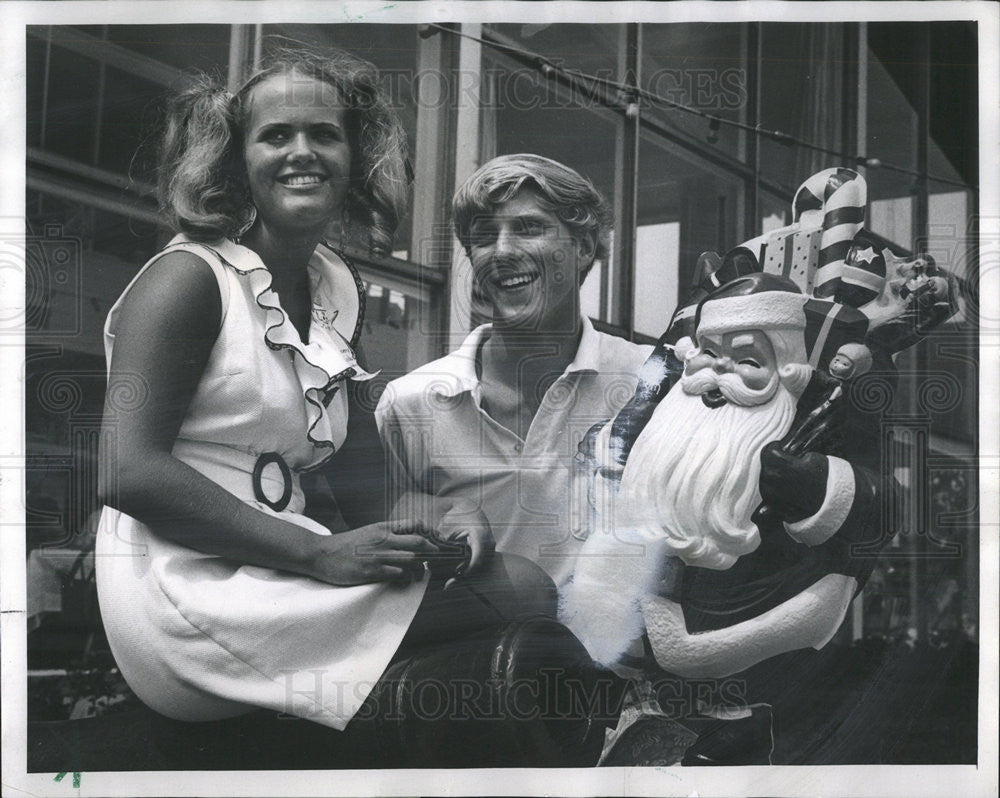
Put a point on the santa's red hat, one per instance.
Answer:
(758, 301)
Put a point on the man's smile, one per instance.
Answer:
(519, 280)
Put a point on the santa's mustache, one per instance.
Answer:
(730, 385)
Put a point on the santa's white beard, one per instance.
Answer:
(688, 490)
(692, 475)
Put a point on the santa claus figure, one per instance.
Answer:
(719, 543)
(738, 493)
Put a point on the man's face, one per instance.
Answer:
(528, 265)
(744, 357)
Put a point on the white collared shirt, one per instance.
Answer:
(439, 440)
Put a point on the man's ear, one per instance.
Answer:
(586, 247)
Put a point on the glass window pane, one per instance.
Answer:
(84, 257)
(892, 218)
(577, 137)
(588, 48)
(948, 219)
(706, 205)
(35, 86)
(132, 107)
(701, 66)
(774, 213)
(71, 109)
(187, 47)
(892, 137)
(394, 336)
(657, 253)
(800, 95)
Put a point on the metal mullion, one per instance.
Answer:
(90, 198)
(606, 308)
(752, 183)
(258, 46)
(73, 167)
(623, 305)
(239, 45)
(922, 94)
(918, 574)
(45, 87)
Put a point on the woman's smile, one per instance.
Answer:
(302, 181)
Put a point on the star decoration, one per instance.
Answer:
(866, 255)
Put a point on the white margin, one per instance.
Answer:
(915, 781)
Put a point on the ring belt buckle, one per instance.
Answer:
(286, 474)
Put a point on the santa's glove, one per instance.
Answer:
(930, 298)
(792, 487)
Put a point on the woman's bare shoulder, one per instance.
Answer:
(177, 288)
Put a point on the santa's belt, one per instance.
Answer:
(263, 478)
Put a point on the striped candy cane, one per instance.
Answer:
(841, 194)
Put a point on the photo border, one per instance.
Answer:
(775, 781)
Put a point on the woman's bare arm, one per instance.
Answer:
(168, 326)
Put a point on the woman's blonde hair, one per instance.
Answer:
(202, 179)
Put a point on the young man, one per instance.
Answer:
(494, 426)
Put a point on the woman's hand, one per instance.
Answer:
(382, 552)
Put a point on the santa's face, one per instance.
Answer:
(692, 476)
(738, 367)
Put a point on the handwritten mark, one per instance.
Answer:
(350, 18)
(76, 778)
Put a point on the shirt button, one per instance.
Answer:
(517, 447)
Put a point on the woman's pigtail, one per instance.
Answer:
(381, 198)
(202, 184)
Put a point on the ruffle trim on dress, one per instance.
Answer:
(319, 364)
(359, 287)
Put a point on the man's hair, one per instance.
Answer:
(561, 191)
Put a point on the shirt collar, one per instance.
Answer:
(588, 353)
(462, 362)
(461, 365)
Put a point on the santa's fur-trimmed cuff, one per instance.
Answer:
(839, 499)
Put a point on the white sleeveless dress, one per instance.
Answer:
(200, 637)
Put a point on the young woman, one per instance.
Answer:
(229, 356)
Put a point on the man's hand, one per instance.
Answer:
(793, 486)
(466, 524)
(457, 528)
